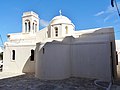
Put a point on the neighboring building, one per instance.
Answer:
(1, 53)
(118, 54)
(118, 49)
(58, 51)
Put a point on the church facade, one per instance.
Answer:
(59, 51)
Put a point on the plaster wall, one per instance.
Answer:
(87, 56)
(70, 30)
(52, 63)
(22, 61)
(41, 35)
(91, 60)
(95, 35)
(60, 60)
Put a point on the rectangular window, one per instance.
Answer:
(32, 55)
(35, 27)
(13, 54)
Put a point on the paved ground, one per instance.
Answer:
(11, 81)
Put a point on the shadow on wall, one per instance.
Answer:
(61, 59)
(29, 66)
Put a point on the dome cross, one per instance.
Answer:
(60, 11)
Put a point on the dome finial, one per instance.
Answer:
(60, 11)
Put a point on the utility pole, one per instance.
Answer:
(114, 4)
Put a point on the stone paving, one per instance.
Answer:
(11, 81)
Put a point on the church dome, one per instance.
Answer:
(60, 20)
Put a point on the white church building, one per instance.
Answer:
(59, 51)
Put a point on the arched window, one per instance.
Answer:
(32, 55)
(33, 26)
(66, 28)
(25, 26)
(29, 26)
(56, 31)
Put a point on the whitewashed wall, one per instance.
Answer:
(22, 61)
(91, 60)
(87, 56)
(42, 35)
(59, 61)
(54, 62)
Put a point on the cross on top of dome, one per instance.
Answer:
(60, 11)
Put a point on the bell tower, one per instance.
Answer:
(30, 22)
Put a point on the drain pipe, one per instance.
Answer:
(112, 58)
(98, 81)
(109, 87)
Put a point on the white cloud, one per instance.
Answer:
(99, 13)
(44, 23)
(108, 13)
(107, 18)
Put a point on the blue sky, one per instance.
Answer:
(84, 14)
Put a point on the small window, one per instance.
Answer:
(43, 50)
(56, 31)
(13, 54)
(29, 26)
(32, 55)
(33, 26)
(66, 29)
(25, 27)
